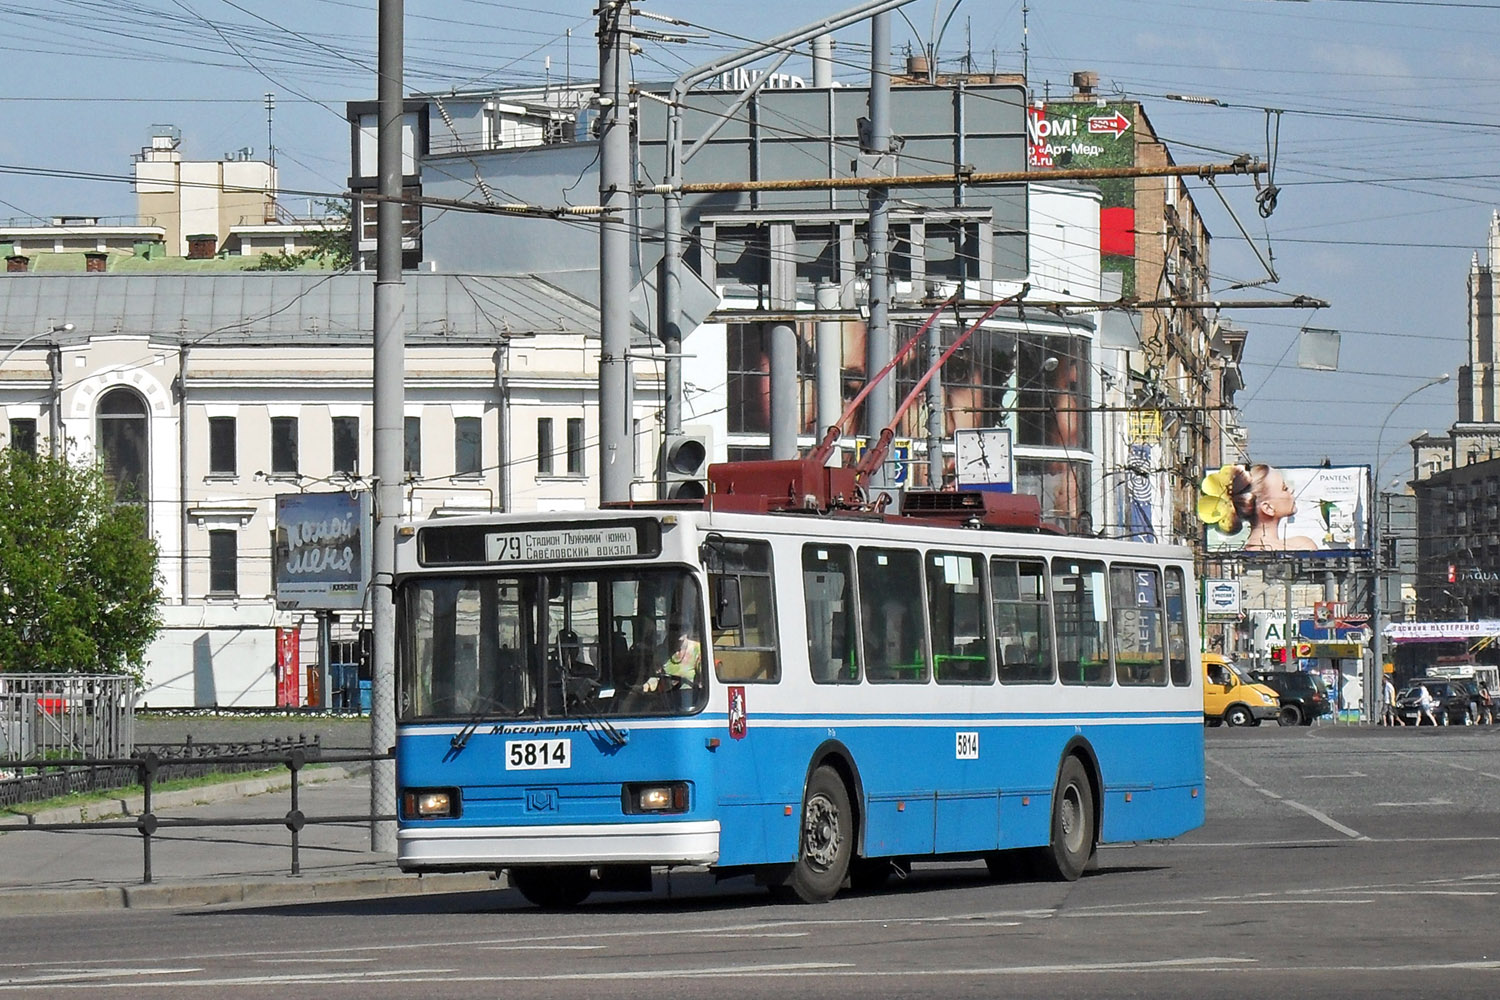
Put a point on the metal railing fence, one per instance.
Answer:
(148, 768)
(66, 715)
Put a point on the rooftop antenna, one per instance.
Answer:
(270, 109)
(1025, 50)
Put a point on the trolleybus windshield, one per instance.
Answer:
(612, 640)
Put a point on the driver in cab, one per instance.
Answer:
(680, 669)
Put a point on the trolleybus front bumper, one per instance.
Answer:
(488, 847)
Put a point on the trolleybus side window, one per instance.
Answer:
(1023, 621)
(1177, 657)
(892, 622)
(1140, 650)
(467, 636)
(744, 646)
(828, 590)
(1080, 599)
(956, 613)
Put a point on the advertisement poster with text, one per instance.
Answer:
(1263, 510)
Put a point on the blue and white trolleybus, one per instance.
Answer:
(774, 682)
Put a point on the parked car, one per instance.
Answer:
(1454, 706)
(1304, 696)
(1470, 687)
(1231, 697)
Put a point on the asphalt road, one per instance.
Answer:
(1336, 862)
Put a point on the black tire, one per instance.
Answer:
(1290, 715)
(554, 887)
(1074, 818)
(1238, 715)
(826, 843)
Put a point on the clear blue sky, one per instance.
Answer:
(1386, 147)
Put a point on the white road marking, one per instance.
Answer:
(540, 947)
(1326, 820)
(1132, 914)
(1415, 805)
(1282, 901)
(80, 976)
(774, 934)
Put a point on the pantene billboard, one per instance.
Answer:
(1262, 510)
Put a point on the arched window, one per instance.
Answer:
(124, 444)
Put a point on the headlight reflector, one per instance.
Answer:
(655, 797)
(429, 803)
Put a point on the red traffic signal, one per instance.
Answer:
(1278, 654)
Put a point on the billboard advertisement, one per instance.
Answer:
(1069, 134)
(1261, 510)
(322, 557)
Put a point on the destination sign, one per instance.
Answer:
(562, 544)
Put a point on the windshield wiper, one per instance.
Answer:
(619, 737)
(461, 738)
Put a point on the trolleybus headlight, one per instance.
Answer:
(665, 797)
(429, 803)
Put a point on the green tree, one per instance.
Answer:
(333, 246)
(79, 588)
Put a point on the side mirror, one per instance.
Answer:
(727, 611)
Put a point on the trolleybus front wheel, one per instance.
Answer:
(826, 841)
(554, 887)
(1073, 822)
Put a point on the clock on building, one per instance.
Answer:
(982, 457)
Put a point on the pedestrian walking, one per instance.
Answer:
(1426, 706)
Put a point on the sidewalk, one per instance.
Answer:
(51, 871)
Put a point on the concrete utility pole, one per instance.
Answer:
(389, 407)
(879, 342)
(616, 430)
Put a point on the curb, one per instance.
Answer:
(292, 889)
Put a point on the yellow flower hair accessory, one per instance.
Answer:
(1215, 505)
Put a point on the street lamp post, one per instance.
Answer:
(54, 328)
(1373, 688)
(51, 329)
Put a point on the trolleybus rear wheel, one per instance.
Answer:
(555, 887)
(826, 840)
(1073, 822)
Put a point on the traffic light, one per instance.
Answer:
(1278, 655)
(684, 466)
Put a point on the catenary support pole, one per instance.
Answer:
(786, 412)
(879, 344)
(936, 417)
(616, 441)
(389, 413)
(830, 354)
